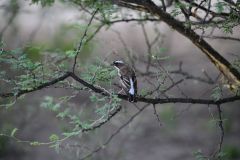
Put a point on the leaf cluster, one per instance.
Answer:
(99, 74)
(43, 2)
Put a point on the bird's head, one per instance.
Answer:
(118, 64)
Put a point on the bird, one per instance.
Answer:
(128, 79)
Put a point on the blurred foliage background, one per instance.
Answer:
(40, 38)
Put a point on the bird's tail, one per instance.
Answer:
(132, 98)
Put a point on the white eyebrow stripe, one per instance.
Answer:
(131, 91)
(119, 61)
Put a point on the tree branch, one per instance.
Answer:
(81, 41)
(223, 38)
(114, 134)
(41, 86)
(219, 61)
(121, 96)
(220, 125)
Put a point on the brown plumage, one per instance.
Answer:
(128, 79)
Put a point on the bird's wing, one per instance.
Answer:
(129, 84)
(126, 82)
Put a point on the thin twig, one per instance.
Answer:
(81, 41)
(163, 5)
(171, 79)
(220, 124)
(223, 38)
(205, 17)
(149, 47)
(127, 50)
(156, 115)
(114, 134)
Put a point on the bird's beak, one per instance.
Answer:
(112, 64)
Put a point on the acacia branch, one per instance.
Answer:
(41, 86)
(223, 38)
(81, 41)
(149, 47)
(219, 61)
(220, 124)
(103, 23)
(156, 115)
(121, 96)
(110, 116)
(114, 134)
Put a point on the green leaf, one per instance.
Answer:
(56, 146)
(53, 138)
(216, 93)
(199, 155)
(220, 7)
(35, 143)
(70, 53)
(231, 152)
(93, 97)
(49, 104)
(63, 114)
(113, 73)
(44, 2)
(143, 92)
